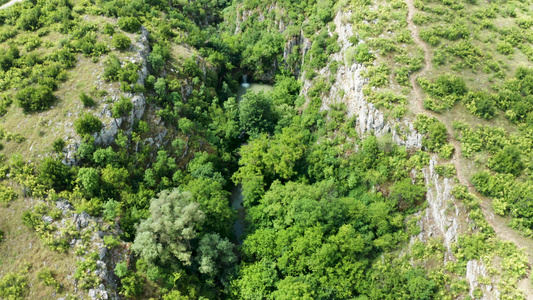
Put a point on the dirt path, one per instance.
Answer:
(497, 222)
(419, 104)
(10, 3)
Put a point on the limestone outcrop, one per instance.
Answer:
(112, 125)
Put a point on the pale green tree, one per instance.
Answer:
(215, 254)
(165, 237)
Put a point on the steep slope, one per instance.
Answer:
(446, 218)
(362, 172)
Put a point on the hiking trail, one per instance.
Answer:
(497, 222)
(10, 3)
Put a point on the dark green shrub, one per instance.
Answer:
(29, 20)
(481, 104)
(32, 99)
(508, 160)
(58, 145)
(129, 73)
(470, 54)
(362, 53)
(86, 100)
(132, 285)
(8, 57)
(159, 55)
(519, 111)
(112, 68)
(87, 124)
(436, 137)
(129, 24)
(122, 108)
(406, 193)
(446, 85)
(108, 29)
(444, 93)
(7, 33)
(54, 174)
(121, 41)
(436, 133)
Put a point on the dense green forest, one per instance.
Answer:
(329, 211)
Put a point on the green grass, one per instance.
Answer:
(22, 246)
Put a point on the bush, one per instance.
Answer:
(111, 242)
(406, 193)
(158, 56)
(87, 124)
(362, 53)
(58, 145)
(111, 210)
(86, 100)
(505, 48)
(436, 137)
(121, 269)
(436, 133)
(54, 174)
(129, 24)
(29, 20)
(46, 276)
(132, 285)
(85, 273)
(480, 104)
(7, 194)
(122, 108)
(444, 93)
(89, 179)
(13, 286)
(108, 29)
(378, 75)
(32, 99)
(121, 41)
(1, 236)
(112, 68)
(508, 160)
(128, 73)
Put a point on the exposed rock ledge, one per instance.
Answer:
(348, 89)
(444, 218)
(107, 135)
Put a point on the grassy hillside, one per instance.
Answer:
(123, 139)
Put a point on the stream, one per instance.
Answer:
(236, 197)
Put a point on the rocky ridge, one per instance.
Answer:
(348, 89)
(444, 218)
(107, 135)
(90, 239)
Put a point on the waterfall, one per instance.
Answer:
(245, 83)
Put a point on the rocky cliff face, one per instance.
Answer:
(112, 125)
(348, 89)
(444, 218)
(89, 239)
(295, 44)
(108, 134)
